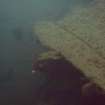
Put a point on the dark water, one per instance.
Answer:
(17, 46)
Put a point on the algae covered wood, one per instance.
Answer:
(80, 37)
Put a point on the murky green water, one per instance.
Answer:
(17, 46)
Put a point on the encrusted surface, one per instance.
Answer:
(80, 37)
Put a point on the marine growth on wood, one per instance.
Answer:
(80, 38)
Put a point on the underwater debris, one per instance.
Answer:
(80, 38)
(64, 80)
